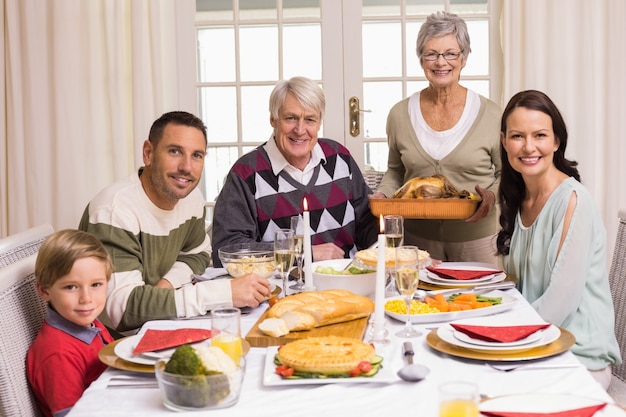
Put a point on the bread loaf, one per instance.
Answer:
(307, 310)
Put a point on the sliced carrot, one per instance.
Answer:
(465, 297)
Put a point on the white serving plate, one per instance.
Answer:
(270, 378)
(124, 350)
(547, 403)
(508, 302)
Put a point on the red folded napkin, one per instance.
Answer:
(153, 340)
(579, 412)
(461, 274)
(502, 334)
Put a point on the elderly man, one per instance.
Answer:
(267, 186)
(153, 225)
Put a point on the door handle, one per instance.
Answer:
(355, 116)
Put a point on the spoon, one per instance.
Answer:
(411, 371)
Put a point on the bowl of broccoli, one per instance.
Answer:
(199, 379)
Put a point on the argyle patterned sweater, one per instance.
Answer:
(254, 202)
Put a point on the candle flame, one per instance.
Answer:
(382, 225)
(305, 204)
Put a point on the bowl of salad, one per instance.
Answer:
(358, 278)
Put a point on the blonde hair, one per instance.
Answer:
(61, 249)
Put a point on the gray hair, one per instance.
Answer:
(305, 90)
(441, 24)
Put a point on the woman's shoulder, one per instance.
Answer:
(490, 106)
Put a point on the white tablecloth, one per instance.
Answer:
(370, 399)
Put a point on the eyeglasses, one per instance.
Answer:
(448, 56)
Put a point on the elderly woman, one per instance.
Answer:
(450, 130)
(266, 186)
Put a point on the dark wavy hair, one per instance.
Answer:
(512, 187)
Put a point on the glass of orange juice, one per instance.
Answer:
(226, 331)
(458, 399)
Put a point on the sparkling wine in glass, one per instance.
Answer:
(284, 254)
(394, 237)
(297, 225)
(407, 280)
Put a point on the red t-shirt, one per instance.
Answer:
(60, 366)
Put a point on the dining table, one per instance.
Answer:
(264, 395)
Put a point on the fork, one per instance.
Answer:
(510, 368)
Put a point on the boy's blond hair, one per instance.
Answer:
(61, 249)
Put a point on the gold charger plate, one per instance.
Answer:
(108, 357)
(425, 208)
(563, 343)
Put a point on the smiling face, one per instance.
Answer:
(296, 131)
(79, 296)
(441, 73)
(530, 142)
(173, 166)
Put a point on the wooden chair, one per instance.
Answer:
(617, 280)
(21, 314)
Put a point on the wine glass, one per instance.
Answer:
(394, 230)
(297, 225)
(407, 279)
(394, 237)
(283, 254)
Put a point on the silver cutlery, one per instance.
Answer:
(478, 289)
(510, 368)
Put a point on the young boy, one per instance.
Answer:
(72, 271)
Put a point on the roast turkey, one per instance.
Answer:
(436, 186)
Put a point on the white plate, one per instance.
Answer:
(549, 335)
(468, 339)
(470, 266)
(508, 302)
(458, 283)
(270, 378)
(547, 403)
(124, 350)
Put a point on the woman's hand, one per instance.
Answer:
(485, 206)
(377, 194)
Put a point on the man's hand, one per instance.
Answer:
(487, 203)
(250, 290)
(327, 251)
(377, 194)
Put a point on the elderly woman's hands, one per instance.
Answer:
(487, 203)
(377, 194)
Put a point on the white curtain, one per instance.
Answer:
(82, 83)
(574, 50)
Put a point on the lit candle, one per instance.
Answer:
(306, 248)
(379, 301)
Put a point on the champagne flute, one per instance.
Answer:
(407, 279)
(394, 230)
(297, 225)
(283, 254)
(394, 237)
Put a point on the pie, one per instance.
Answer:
(328, 355)
(370, 257)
